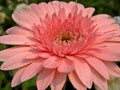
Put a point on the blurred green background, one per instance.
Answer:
(7, 7)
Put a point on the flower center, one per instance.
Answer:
(66, 37)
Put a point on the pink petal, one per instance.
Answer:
(16, 40)
(20, 31)
(115, 39)
(12, 51)
(108, 28)
(99, 66)
(102, 38)
(16, 79)
(31, 70)
(72, 4)
(106, 19)
(75, 81)
(35, 8)
(106, 56)
(72, 58)
(83, 71)
(74, 8)
(47, 9)
(113, 69)
(62, 14)
(26, 18)
(44, 55)
(45, 78)
(81, 8)
(55, 5)
(106, 52)
(17, 61)
(89, 11)
(65, 66)
(99, 81)
(69, 7)
(34, 56)
(66, 7)
(14, 65)
(105, 22)
(51, 62)
(100, 17)
(42, 9)
(58, 81)
(108, 47)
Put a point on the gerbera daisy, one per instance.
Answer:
(58, 39)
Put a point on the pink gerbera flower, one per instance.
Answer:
(58, 39)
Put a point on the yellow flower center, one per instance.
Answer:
(66, 37)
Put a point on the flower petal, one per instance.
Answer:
(99, 81)
(58, 81)
(56, 6)
(12, 51)
(16, 79)
(44, 79)
(44, 55)
(42, 9)
(99, 66)
(83, 71)
(34, 56)
(103, 38)
(66, 9)
(16, 61)
(26, 18)
(100, 17)
(104, 23)
(89, 11)
(107, 21)
(108, 28)
(20, 31)
(113, 69)
(51, 62)
(37, 10)
(115, 39)
(16, 40)
(104, 56)
(105, 51)
(31, 70)
(65, 66)
(81, 8)
(75, 81)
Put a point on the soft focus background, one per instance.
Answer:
(7, 7)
